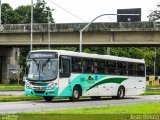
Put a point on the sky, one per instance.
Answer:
(77, 11)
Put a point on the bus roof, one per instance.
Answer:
(96, 56)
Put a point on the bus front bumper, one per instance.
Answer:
(32, 92)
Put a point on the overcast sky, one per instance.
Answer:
(87, 10)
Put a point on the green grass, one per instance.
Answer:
(120, 112)
(143, 108)
(11, 87)
(154, 86)
(10, 98)
(152, 91)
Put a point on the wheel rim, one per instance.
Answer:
(76, 94)
(120, 93)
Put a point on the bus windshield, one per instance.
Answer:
(42, 69)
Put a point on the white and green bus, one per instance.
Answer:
(52, 73)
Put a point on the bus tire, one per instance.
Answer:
(75, 94)
(120, 93)
(48, 98)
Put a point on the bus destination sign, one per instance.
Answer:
(43, 55)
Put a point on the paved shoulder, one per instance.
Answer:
(11, 92)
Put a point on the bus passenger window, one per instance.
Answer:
(76, 65)
(132, 69)
(65, 68)
(95, 70)
(140, 70)
(121, 68)
(111, 67)
(99, 65)
(87, 65)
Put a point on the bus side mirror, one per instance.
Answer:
(60, 73)
(60, 70)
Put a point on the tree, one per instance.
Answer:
(9, 16)
(40, 13)
(155, 14)
(25, 14)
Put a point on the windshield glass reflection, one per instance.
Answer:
(42, 69)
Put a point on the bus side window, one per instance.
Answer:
(99, 66)
(65, 68)
(111, 67)
(132, 69)
(121, 68)
(87, 65)
(140, 70)
(76, 65)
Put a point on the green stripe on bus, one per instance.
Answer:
(80, 80)
(110, 80)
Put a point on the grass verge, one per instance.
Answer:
(11, 98)
(11, 87)
(152, 90)
(141, 111)
(143, 108)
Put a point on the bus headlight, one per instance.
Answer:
(51, 86)
(28, 85)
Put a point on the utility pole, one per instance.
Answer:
(155, 52)
(49, 35)
(1, 26)
(31, 40)
(0, 13)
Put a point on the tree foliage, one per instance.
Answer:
(40, 12)
(9, 16)
(22, 14)
(155, 14)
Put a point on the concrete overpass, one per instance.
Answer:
(13, 36)
(98, 34)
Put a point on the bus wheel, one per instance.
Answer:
(48, 98)
(120, 93)
(75, 94)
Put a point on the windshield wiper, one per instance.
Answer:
(38, 64)
(44, 64)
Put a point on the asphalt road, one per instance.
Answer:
(11, 92)
(26, 106)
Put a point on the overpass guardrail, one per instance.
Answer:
(70, 27)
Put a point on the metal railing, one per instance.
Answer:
(75, 27)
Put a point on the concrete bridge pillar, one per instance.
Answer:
(7, 56)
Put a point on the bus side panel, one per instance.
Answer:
(141, 85)
(135, 86)
(100, 85)
(66, 85)
(110, 85)
(130, 86)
